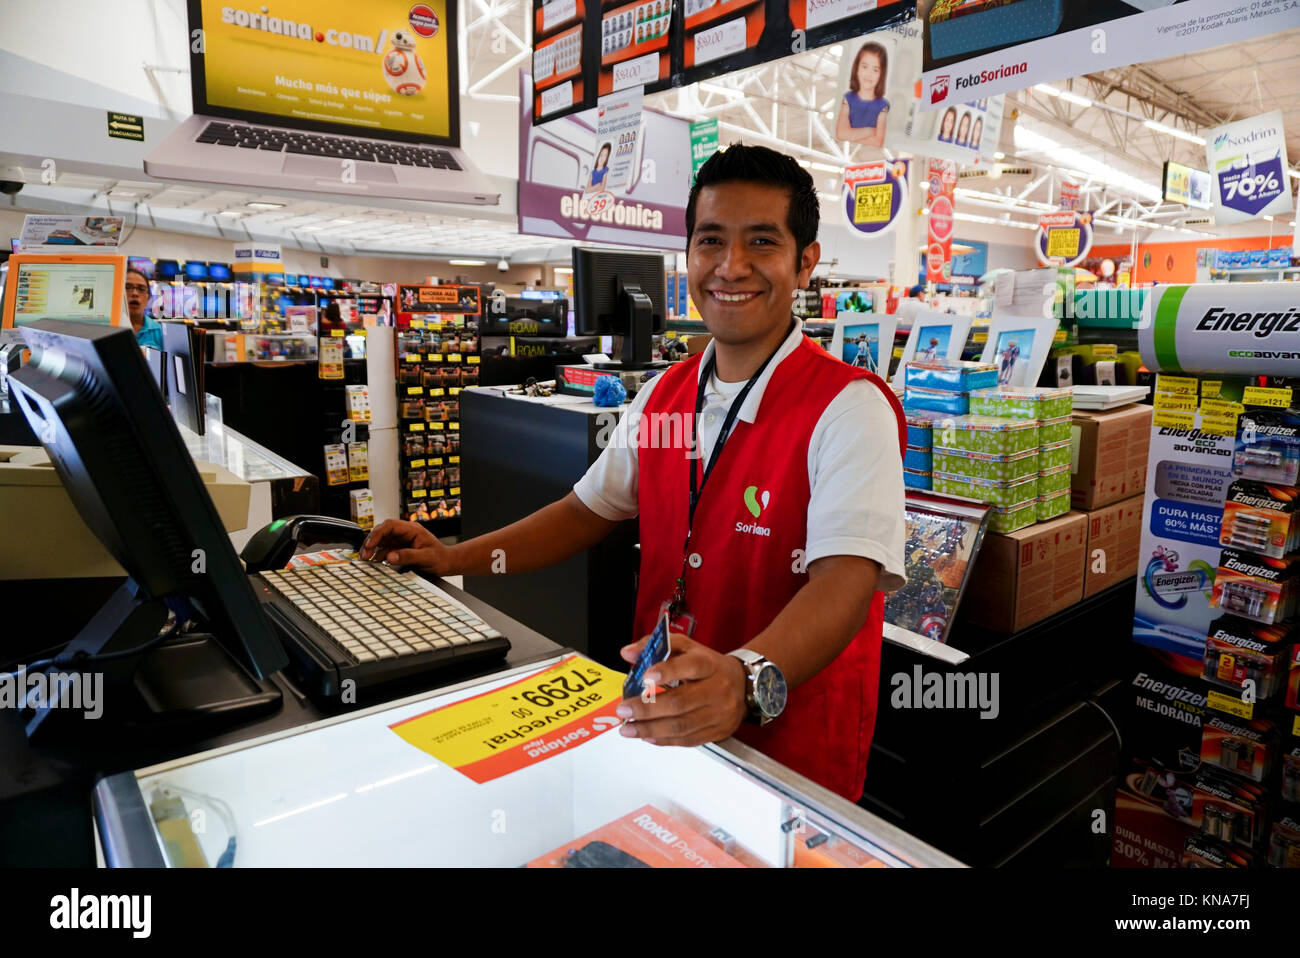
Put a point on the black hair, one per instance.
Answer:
(604, 147)
(138, 272)
(758, 164)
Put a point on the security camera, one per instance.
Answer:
(503, 264)
(10, 187)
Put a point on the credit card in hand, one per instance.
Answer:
(655, 651)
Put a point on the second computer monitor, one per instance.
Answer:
(620, 294)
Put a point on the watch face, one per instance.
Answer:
(769, 690)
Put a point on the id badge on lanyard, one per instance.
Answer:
(679, 619)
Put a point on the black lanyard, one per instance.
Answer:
(697, 489)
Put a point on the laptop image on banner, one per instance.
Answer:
(329, 96)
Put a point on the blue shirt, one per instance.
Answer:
(864, 113)
(150, 333)
(598, 176)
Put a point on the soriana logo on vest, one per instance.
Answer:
(756, 503)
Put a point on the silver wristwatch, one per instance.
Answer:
(765, 690)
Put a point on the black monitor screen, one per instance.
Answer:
(195, 270)
(183, 344)
(597, 277)
(219, 272)
(87, 395)
(167, 269)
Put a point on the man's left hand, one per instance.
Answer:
(708, 705)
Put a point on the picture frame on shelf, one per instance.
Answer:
(865, 340)
(933, 335)
(1019, 346)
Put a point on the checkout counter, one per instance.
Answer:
(272, 786)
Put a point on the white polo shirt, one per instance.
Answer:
(854, 471)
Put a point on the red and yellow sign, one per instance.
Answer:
(520, 724)
(942, 183)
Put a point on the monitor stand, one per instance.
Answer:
(636, 316)
(187, 679)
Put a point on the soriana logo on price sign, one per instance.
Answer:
(942, 180)
(542, 715)
(1063, 238)
(874, 194)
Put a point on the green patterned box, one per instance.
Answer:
(1056, 454)
(1022, 402)
(1057, 504)
(987, 490)
(996, 435)
(1011, 518)
(1051, 481)
(984, 465)
(1055, 430)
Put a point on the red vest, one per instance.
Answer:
(747, 573)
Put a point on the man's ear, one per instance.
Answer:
(812, 255)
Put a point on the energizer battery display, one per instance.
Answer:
(1284, 844)
(1255, 586)
(1268, 446)
(1238, 651)
(1261, 518)
(1244, 747)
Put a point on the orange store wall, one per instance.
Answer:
(1176, 262)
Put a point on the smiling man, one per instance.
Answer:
(771, 537)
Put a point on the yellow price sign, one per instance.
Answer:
(437, 391)
(436, 425)
(1184, 385)
(453, 357)
(454, 491)
(417, 427)
(1063, 243)
(417, 463)
(1174, 402)
(417, 324)
(1104, 351)
(1230, 704)
(453, 459)
(1264, 396)
(872, 203)
(472, 360)
(414, 390)
(454, 391)
(1210, 388)
(436, 493)
(1174, 419)
(453, 425)
(413, 357)
(528, 721)
(418, 493)
(337, 333)
(436, 461)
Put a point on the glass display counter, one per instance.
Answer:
(349, 791)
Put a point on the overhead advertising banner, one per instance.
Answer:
(1069, 196)
(258, 261)
(704, 142)
(564, 166)
(1248, 169)
(941, 184)
(584, 49)
(439, 299)
(1190, 187)
(880, 107)
(54, 233)
(978, 48)
(874, 194)
(618, 126)
(1064, 238)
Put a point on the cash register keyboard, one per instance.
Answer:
(371, 624)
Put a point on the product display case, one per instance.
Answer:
(348, 791)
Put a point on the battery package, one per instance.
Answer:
(1268, 446)
(1238, 651)
(1255, 587)
(1228, 809)
(1243, 747)
(358, 462)
(358, 403)
(1260, 518)
(1284, 843)
(336, 464)
(1201, 852)
(362, 505)
(1291, 775)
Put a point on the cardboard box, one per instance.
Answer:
(1109, 455)
(1114, 533)
(1025, 576)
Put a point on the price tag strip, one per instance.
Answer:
(521, 724)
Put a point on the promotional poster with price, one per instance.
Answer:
(1064, 238)
(874, 195)
(538, 717)
(1248, 167)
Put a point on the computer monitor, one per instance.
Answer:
(156, 360)
(183, 343)
(166, 269)
(195, 270)
(142, 264)
(620, 294)
(75, 286)
(219, 272)
(86, 393)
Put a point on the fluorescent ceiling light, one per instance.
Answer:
(1295, 173)
(230, 213)
(826, 167)
(1047, 88)
(999, 155)
(310, 229)
(264, 206)
(341, 222)
(467, 262)
(564, 269)
(1171, 131)
(1061, 155)
(1074, 98)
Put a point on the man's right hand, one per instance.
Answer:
(401, 543)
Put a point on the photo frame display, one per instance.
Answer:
(934, 335)
(865, 340)
(1018, 346)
